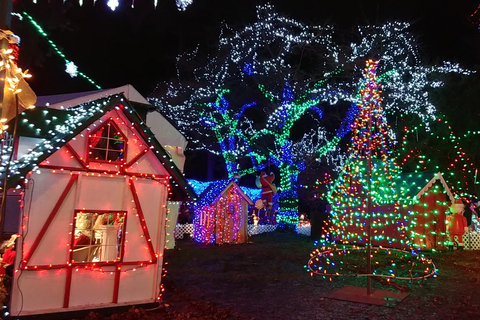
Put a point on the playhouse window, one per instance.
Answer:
(98, 236)
(107, 144)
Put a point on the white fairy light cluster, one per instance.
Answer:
(263, 54)
(405, 81)
(74, 120)
(183, 4)
(113, 4)
(238, 51)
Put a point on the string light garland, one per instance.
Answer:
(114, 4)
(13, 76)
(399, 218)
(389, 263)
(56, 127)
(70, 66)
(350, 192)
(473, 17)
(183, 4)
(200, 186)
(371, 204)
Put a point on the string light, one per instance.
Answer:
(112, 4)
(457, 163)
(70, 67)
(388, 263)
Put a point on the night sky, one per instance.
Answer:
(138, 46)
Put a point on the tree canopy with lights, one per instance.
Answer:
(293, 89)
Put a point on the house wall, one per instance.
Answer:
(171, 223)
(172, 140)
(89, 287)
(429, 221)
(49, 284)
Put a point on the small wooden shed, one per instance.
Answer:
(96, 182)
(425, 198)
(413, 216)
(221, 216)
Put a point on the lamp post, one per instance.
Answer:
(5, 21)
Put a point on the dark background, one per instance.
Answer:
(139, 45)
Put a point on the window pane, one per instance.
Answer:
(107, 144)
(98, 236)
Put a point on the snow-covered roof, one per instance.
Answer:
(57, 127)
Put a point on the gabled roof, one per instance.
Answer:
(414, 185)
(57, 127)
(69, 100)
(217, 189)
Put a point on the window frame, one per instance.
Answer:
(120, 254)
(107, 123)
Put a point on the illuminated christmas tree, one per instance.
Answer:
(366, 185)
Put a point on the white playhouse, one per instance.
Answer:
(97, 171)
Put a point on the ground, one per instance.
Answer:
(266, 279)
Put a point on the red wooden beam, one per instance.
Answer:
(90, 170)
(76, 156)
(68, 287)
(93, 266)
(116, 284)
(135, 159)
